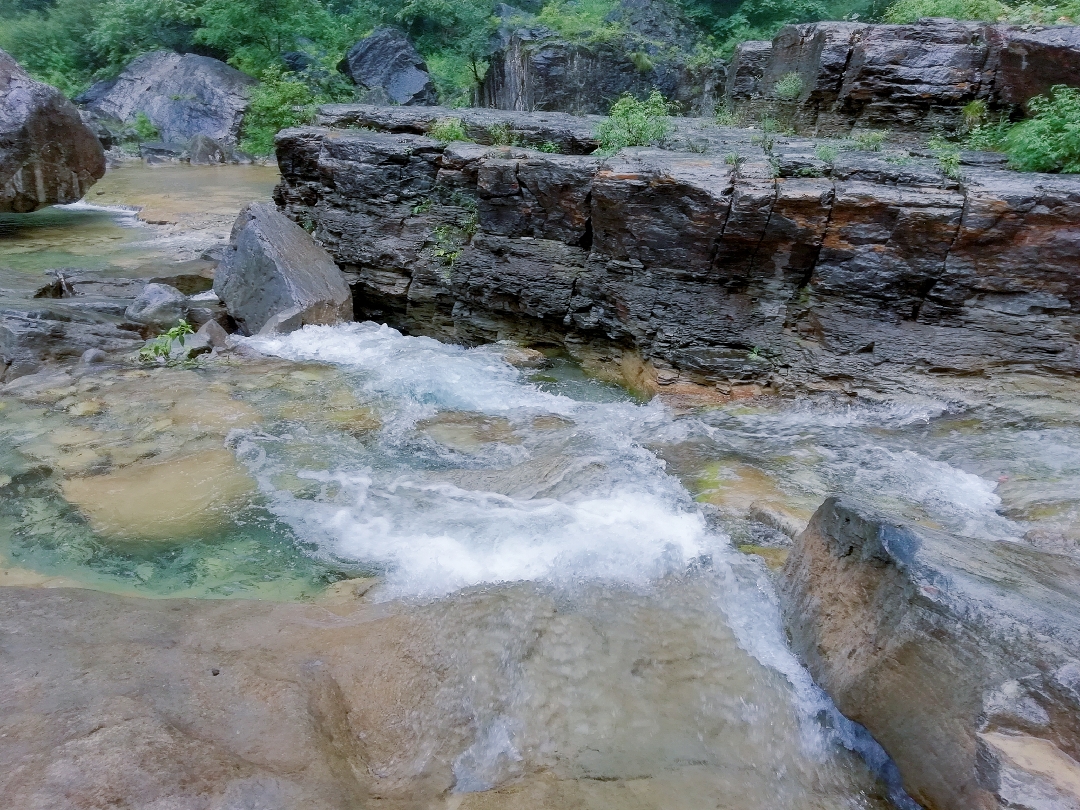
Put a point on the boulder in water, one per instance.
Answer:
(158, 305)
(961, 656)
(276, 278)
(387, 59)
(183, 95)
(203, 150)
(47, 154)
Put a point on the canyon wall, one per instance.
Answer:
(907, 78)
(720, 267)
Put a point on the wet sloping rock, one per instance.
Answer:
(183, 95)
(962, 657)
(649, 46)
(908, 78)
(33, 338)
(47, 154)
(275, 278)
(387, 60)
(721, 268)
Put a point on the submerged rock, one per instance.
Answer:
(183, 95)
(387, 59)
(961, 656)
(276, 278)
(47, 154)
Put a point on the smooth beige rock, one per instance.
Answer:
(172, 499)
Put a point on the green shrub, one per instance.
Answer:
(641, 61)
(826, 153)
(502, 135)
(550, 147)
(279, 102)
(449, 129)
(908, 11)
(144, 127)
(988, 137)
(789, 87)
(947, 154)
(634, 123)
(160, 348)
(1049, 141)
(730, 118)
(872, 140)
(973, 114)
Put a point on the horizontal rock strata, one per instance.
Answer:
(962, 657)
(730, 267)
(914, 78)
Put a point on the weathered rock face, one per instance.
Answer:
(869, 271)
(276, 279)
(962, 657)
(538, 70)
(183, 95)
(47, 154)
(913, 78)
(388, 60)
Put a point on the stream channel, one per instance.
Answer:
(607, 629)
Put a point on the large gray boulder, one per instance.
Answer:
(961, 656)
(183, 95)
(47, 154)
(275, 278)
(387, 59)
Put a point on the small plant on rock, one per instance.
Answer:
(872, 140)
(503, 135)
(448, 130)
(634, 123)
(550, 147)
(827, 153)
(144, 128)
(160, 348)
(947, 154)
(789, 87)
(730, 118)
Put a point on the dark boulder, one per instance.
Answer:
(276, 278)
(47, 154)
(183, 95)
(202, 150)
(961, 656)
(387, 59)
(1031, 62)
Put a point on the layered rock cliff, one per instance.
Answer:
(914, 78)
(733, 265)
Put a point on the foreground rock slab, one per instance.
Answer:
(275, 278)
(962, 657)
(47, 154)
(183, 95)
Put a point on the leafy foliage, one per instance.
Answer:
(947, 154)
(906, 11)
(280, 101)
(789, 87)
(871, 140)
(1049, 141)
(448, 130)
(160, 348)
(144, 127)
(634, 123)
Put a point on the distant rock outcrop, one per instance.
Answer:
(534, 68)
(275, 278)
(907, 78)
(183, 95)
(386, 60)
(961, 656)
(47, 154)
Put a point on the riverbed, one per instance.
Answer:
(595, 570)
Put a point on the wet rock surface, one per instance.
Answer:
(183, 95)
(47, 154)
(274, 278)
(907, 78)
(387, 61)
(961, 656)
(732, 266)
